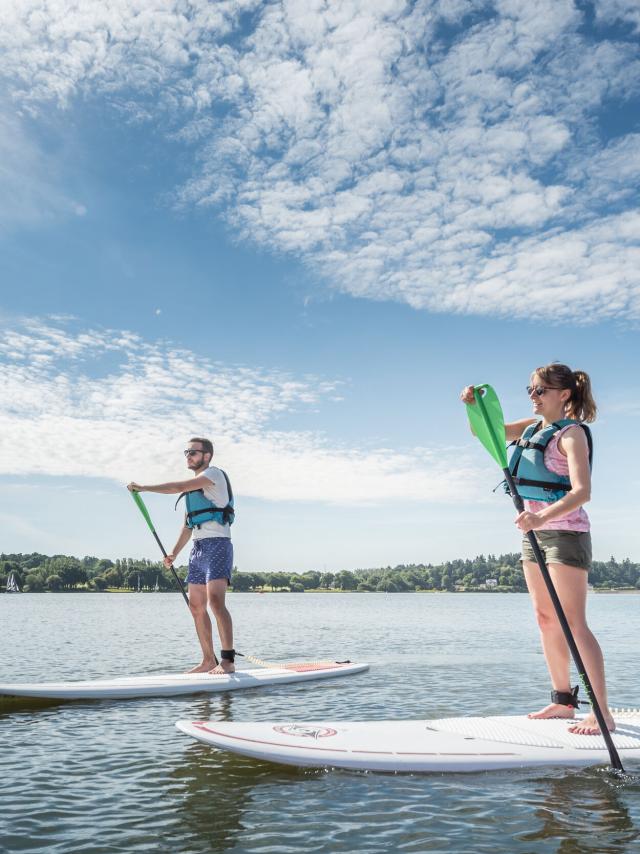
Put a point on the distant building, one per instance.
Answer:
(491, 582)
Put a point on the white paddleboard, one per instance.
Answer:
(172, 684)
(448, 744)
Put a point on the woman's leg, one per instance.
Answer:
(554, 645)
(570, 583)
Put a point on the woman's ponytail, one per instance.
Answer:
(581, 404)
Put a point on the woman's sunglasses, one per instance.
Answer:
(539, 389)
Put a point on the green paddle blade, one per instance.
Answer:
(487, 422)
(141, 506)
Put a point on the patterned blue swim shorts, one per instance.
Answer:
(211, 558)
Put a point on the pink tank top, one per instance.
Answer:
(555, 461)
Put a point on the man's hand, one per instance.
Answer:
(135, 487)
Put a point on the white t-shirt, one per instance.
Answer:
(219, 494)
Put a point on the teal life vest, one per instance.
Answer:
(526, 462)
(200, 509)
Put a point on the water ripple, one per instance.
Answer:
(106, 777)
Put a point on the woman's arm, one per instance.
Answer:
(573, 444)
(514, 429)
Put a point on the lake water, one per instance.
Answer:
(117, 776)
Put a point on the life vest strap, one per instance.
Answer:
(543, 484)
(192, 513)
(525, 443)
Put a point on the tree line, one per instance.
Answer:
(503, 573)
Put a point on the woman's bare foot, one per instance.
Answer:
(553, 710)
(224, 667)
(203, 667)
(590, 726)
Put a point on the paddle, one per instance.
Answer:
(141, 506)
(487, 422)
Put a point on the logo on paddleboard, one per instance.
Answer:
(306, 731)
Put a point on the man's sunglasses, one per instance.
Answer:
(191, 452)
(539, 389)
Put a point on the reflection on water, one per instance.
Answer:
(117, 776)
(587, 811)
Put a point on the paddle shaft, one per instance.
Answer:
(175, 574)
(564, 623)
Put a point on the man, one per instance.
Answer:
(209, 513)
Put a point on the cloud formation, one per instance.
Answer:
(101, 403)
(457, 156)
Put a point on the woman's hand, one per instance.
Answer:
(168, 561)
(135, 487)
(467, 396)
(527, 521)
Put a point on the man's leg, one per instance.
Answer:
(216, 591)
(198, 607)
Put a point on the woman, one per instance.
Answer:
(550, 461)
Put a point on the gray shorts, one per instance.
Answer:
(569, 547)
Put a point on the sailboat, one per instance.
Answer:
(139, 588)
(156, 589)
(12, 584)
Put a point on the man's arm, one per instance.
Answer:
(172, 487)
(183, 539)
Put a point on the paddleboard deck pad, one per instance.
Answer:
(446, 744)
(175, 684)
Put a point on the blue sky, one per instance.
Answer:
(300, 229)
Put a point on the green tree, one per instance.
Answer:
(114, 577)
(34, 582)
(278, 580)
(241, 581)
(54, 582)
(345, 580)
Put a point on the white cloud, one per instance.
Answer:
(616, 11)
(405, 151)
(100, 403)
(611, 174)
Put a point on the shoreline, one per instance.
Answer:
(489, 590)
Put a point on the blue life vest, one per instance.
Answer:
(526, 462)
(200, 509)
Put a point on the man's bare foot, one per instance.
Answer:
(203, 667)
(553, 710)
(590, 726)
(224, 667)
